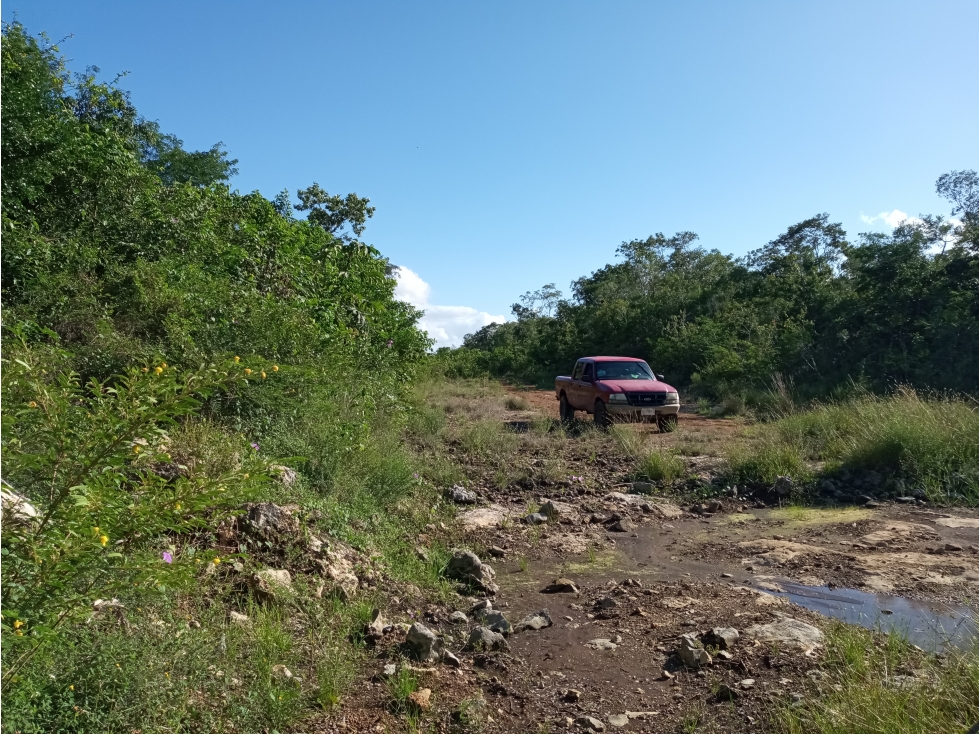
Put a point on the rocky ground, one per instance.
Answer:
(591, 603)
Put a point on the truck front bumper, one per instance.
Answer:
(632, 413)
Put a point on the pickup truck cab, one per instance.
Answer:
(621, 388)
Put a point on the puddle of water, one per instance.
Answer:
(931, 626)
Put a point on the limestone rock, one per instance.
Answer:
(494, 620)
(664, 510)
(465, 566)
(462, 496)
(589, 723)
(271, 520)
(271, 582)
(534, 518)
(692, 653)
(601, 643)
(423, 644)
(421, 699)
(722, 637)
(560, 586)
(787, 631)
(286, 476)
(17, 508)
(535, 621)
(556, 511)
(482, 638)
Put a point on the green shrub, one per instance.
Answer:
(659, 466)
(114, 510)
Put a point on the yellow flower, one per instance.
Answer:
(18, 624)
(103, 539)
(158, 370)
(178, 505)
(247, 371)
(32, 404)
(217, 561)
(237, 359)
(71, 688)
(246, 476)
(263, 375)
(146, 369)
(96, 529)
(135, 449)
(275, 368)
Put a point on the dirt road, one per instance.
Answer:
(629, 579)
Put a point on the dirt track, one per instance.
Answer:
(648, 570)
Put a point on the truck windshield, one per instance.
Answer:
(623, 371)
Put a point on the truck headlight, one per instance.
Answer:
(672, 398)
(618, 397)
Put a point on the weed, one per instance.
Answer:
(400, 686)
(764, 462)
(659, 466)
(514, 402)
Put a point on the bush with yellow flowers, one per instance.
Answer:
(86, 458)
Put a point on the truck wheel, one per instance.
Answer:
(567, 412)
(667, 423)
(601, 415)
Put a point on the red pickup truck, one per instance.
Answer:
(617, 387)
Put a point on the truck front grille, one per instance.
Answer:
(646, 399)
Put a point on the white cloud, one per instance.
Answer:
(892, 219)
(447, 325)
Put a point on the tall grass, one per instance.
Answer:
(928, 441)
(886, 686)
(652, 463)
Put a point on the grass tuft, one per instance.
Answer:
(875, 684)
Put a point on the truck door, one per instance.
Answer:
(585, 398)
(573, 388)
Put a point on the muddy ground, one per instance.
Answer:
(645, 569)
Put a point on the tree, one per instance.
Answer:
(333, 212)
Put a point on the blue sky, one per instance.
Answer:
(511, 144)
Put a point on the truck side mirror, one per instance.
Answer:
(660, 377)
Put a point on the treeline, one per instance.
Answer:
(811, 312)
(121, 247)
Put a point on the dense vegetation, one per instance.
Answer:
(809, 313)
(166, 342)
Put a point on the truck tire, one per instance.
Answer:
(567, 412)
(667, 423)
(601, 415)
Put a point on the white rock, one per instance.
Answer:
(787, 631)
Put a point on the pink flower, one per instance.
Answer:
(255, 446)
(167, 557)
